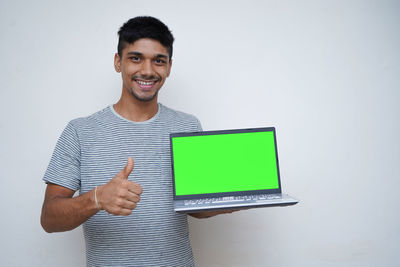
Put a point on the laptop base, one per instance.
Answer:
(232, 203)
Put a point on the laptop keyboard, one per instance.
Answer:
(216, 200)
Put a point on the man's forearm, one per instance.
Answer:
(61, 213)
(208, 214)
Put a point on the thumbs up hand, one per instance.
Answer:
(120, 196)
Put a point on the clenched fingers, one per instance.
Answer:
(134, 188)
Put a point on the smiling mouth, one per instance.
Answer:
(145, 84)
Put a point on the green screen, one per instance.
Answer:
(224, 163)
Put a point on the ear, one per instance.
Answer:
(169, 68)
(117, 63)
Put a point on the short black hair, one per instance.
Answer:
(144, 27)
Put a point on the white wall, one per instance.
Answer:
(325, 73)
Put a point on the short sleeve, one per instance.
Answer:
(64, 166)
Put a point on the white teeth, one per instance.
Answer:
(145, 83)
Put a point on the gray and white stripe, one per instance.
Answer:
(91, 150)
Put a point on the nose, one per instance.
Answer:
(147, 68)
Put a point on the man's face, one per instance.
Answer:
(144, 67)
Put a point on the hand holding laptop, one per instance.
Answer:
(208, 214)
(120, 196)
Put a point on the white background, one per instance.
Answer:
(324, 73)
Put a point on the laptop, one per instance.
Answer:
(226, 170)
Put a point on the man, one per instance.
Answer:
(118, 158)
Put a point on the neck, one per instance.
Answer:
(135, 110)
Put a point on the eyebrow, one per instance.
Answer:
(134, 53)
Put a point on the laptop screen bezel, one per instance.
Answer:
(222, 194)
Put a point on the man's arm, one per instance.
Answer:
(61, 212)
(208, 214)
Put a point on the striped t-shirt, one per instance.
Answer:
(91, 151)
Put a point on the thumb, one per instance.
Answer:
(127, 169)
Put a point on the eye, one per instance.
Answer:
(134, 58)
(160, 61)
